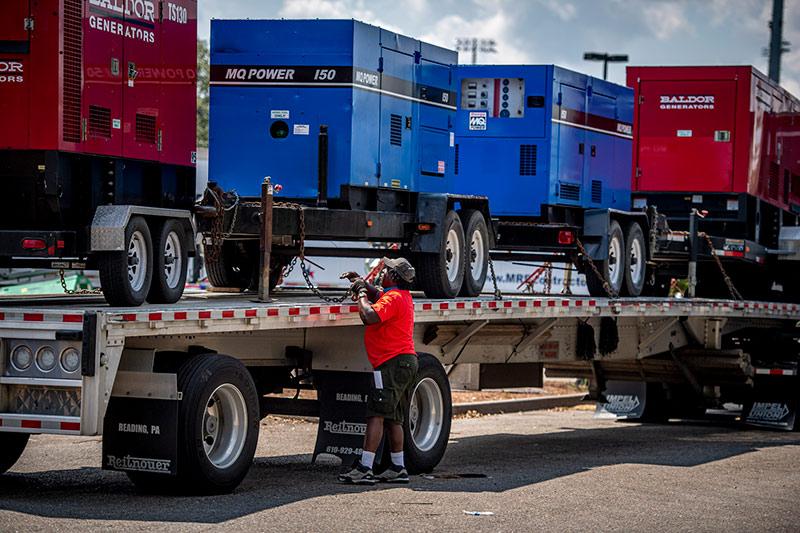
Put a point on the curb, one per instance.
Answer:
(526, 404)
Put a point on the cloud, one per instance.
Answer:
(499, 26)
(566, 11)
(665, 19)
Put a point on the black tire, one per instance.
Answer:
(593, 283)
(476, 236)
(432, 271)
(122, 287)
(170, 262)
(634, 245)
(424, 459)
(11, 447)
(198, 379)
(236, 266)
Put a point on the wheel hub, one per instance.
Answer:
(426, 414)
(224, 426)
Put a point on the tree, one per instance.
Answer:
(202, 93)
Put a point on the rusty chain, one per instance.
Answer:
(606, 287)
(734, 292)
(497, 294)
(72, 292)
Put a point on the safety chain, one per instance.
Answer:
(218, 234)
(75, 291)
(497, 294)
(302, 256)
(609, 291)
(548, 278)
(735, 294)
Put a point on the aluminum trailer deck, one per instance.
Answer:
(174, 411)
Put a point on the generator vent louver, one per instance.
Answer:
(99, 122)
(527, 160)
(773, 186)
(597, 191)
(395, 130)
(568, 191)
(146, 128)
(71, 70)
(455, 164)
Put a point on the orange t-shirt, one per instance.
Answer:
(394, 334)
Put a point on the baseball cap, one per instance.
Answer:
(402, 267)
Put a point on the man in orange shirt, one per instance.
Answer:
(389, 317)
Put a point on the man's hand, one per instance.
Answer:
(358, 286)
(350, 276)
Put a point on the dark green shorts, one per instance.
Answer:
(398, 375)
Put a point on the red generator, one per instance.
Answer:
(97, 144)
(725, 140)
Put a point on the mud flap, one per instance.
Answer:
(773, 405)
(624, 400)
(343, 413)
(141, 435)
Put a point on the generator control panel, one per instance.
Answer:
(499, 97)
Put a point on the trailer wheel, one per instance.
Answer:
(233, 266)
(441, 275)
(426, 428)
(477, 252)
(170, 261)
(635, 261)
(125, 276)
(218, 422)
(612, 267)
(11, 447)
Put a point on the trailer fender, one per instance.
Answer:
(108, 225)
(431, 209)
(595, 229)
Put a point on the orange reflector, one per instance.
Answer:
(423, 227)
(566, 237)
(369, 223)
(33, 244)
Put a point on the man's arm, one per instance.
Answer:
(365, 310)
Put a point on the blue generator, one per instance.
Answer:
(326, 106)
(539, 140)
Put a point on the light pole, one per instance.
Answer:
(473, 44)
(606, 58)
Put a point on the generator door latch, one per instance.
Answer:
(114, 66)
(132, 73)
(28, 24)
(594, 150)
(408, 123)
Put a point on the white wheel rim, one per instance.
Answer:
(614, 268)
(636, 266)
(137, 261)
(426, 414)
(224, 426)
(452, 255)
(173, 262)
(477, 255)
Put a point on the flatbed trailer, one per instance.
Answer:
(177, 391)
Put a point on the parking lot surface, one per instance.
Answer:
(536, 471)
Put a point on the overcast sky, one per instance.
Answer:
(651, 32)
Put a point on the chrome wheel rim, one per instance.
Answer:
(452, 254)
(636, 266)
(614, 267)
(137, 261)
(172, 260)
(477, 255)
(224, 426)
(426, 414)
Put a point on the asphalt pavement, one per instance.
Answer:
(535, 471)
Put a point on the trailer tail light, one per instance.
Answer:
(424, 227)
(34, 244)
(566, 237)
